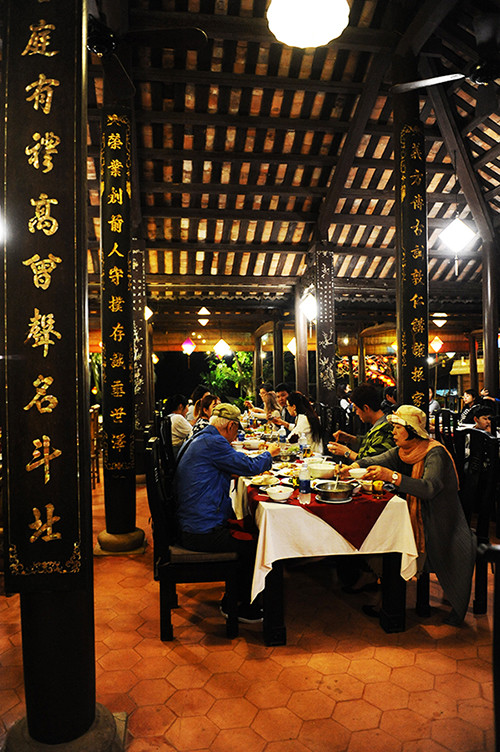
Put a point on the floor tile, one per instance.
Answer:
(340, 685)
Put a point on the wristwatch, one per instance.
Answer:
(395, 477)
(347, 453)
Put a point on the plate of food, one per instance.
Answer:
(264, 479)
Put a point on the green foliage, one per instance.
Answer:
(231, 377)
(95, 376)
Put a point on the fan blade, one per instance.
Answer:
(117, 83)
(189, 38)
(414, 85)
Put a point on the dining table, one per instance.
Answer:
(365, 525)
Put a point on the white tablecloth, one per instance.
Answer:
(288, 531)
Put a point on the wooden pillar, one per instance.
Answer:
(301, 360)
(278, 352)
(411, 244)
(46, 445)
(474, 379)
(361, 359)
(326, 381)
(490, 317)
(257, 365)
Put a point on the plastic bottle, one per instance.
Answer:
(304, 485)
(282, 435)
(302, 444)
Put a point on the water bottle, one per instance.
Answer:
(304, 485)
(302, 445)
(282, 435)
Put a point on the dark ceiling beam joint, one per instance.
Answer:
(458, 150)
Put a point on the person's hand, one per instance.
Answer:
(278, 421)
(274, 449)
(248, 404)
(339, 449)
(336, 435)
(377, 472)
(344, 470)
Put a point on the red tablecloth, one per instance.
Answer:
(352, 520)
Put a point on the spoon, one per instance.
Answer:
(338, 475)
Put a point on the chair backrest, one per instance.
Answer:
(477, 466)
(166, 446)
(325, 415)
(161, 500)
(445, 428)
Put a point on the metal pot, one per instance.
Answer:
(332, 491)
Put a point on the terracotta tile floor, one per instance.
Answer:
(341, 684)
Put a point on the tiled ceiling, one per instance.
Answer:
(249, 151)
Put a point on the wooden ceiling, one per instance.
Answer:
(249, 151)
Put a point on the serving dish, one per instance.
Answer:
(330, 490)
(333, 501)
(264, 480)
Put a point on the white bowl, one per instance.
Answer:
(357, 472)
(279, 493)
(323, 470)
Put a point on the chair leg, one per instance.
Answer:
(480, 602)
(166, 629)
(232, 626)
(423, 590)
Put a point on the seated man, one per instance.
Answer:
(285, 419)
(202, 480)
(377, 439)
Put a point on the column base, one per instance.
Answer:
(121, 543)
(107, 734)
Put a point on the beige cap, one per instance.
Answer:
(226, 410)
(409, 415)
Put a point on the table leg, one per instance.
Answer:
(274, 616)
(393, 611)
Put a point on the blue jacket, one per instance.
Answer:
(203, 478)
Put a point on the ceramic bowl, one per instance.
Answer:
(357, 472)
(322, 469)
(279, 493)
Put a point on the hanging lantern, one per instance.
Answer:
(188, 346)
(221, 348)
(436, 344)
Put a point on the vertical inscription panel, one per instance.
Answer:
(116, 294)
(45, 421)
(413, 274)
(325, 333)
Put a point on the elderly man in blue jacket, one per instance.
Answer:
(206, 465)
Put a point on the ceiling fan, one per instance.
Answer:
(102, 41)
(483, 73)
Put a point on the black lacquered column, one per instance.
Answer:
(411, 244)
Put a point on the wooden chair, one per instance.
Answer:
(445, 427)
(175, 564)
(478, 464)
(95, 446)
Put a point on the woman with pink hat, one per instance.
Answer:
(423, 469)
